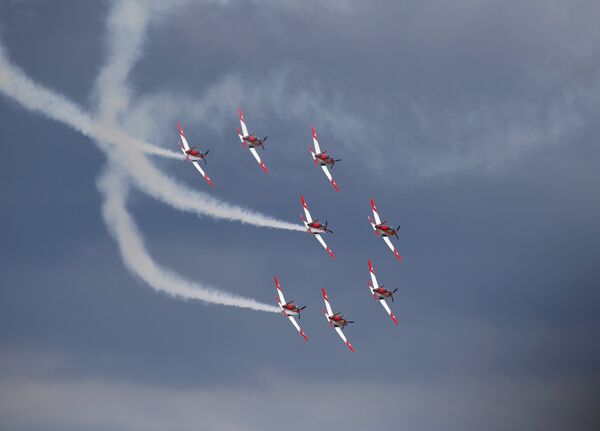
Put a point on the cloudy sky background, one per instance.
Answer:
(472, 123)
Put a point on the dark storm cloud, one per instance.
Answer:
(473, 124)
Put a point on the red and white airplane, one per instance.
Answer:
(323, 159)
(193, 155)
(384, 230)
(250, 141)
(289, 309)
(315, 227)
(336, 320)
(380, 293)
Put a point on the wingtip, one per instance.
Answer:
(303, 201)
(400, 258)
(276, 282)
(335, 186)
(350, 346)
(394, 318)
(371, 266)
(210, 182)
(264, 168)
(179, 128)
(330, 253)
(304, 335)
(324, 293)
(314, 132)
(373, 204)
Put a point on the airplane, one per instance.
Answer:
(384, 230)
(336, 320)
(315, 227)
(323, 159)
(289, 309)
(380, 293)
(193, 155)
(250, 141)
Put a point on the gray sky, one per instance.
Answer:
(472, 123)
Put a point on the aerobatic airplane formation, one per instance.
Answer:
(313, 226)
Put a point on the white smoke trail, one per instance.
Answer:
(126, 151)
(127, 24)
(113, 99)
(136, 258)
(15, 84)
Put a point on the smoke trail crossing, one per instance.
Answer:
(138, 261)
(127, 151)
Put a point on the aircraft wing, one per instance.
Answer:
(243, 123)
(322, 241)
(206, 177)
(375, 213)
(387, 308)
(327, 305)
(300, 331)
(257, 157)
(344, 339)
(374, 283)
(281, 301)
(391, 246)
(184, 141)
(316, 141)
(306, 211)
(330, 178)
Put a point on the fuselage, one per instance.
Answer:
(338, 320)
(382, 292)
(324, 159)
(291, 309)
(195, 155)
(316, 226)
(385, 230)
(253, 141)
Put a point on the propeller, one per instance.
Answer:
(392, 294)
(204, 158)
(396, 231)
